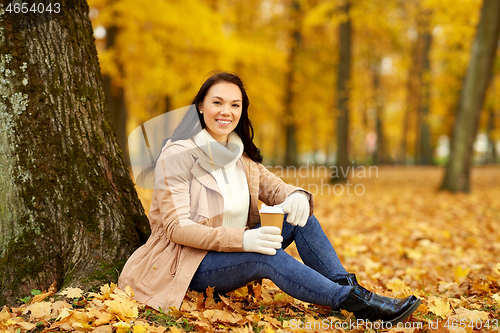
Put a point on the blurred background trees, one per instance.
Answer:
(408, 60)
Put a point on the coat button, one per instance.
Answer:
(248, 163)
(154, 267)
(208, 183)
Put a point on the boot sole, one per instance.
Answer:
(406, 314)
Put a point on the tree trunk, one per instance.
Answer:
(344, 72)
(116, 99)
(381, 154)
(491, 153)
(412, 91)
(68, 209)
(291, 143)
(471, 99)
(424, 149)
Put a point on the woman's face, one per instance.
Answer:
(221, 109)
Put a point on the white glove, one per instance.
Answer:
(297, 207)
(263, 240)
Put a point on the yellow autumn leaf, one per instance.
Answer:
(106, 291)
(279, 297)
(129, 291)
(496, 269)
(4, 314)
(496, 297)
(80, 319)
(123, 308)
(472, 315)
(440, 308)
(26, 326)
(397, 286)
(103, 329)
(139, 329)
(102, 318)
(461, 273)
(222, 316)
(273, 321)
(174, 329)
(254, 317)
(241, 292)
(72, 292)
(122, 327)
(65, 313)
(40, 310)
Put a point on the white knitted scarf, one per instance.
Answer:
(230, 177)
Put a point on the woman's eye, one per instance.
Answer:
(217, 102)
(236, 105)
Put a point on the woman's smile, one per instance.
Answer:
(223, 122)
(221, 109)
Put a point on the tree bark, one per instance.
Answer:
(381, 154)
(491, 153)
(344, 73)
(68, 209)
(291, 143)
(471, 99)
(423, 151)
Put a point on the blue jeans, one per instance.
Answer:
(310, 282)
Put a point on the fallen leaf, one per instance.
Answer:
(174, 329)
(496, 269)
(241, 292)
(441, 308)
(103, 329)
(397, 286)
(496, 297)
(461, 273)
(72, 292)
(123, 309)
(471, 315)
(139, 329)
(223, 316)
(122, 327)
(40, 310)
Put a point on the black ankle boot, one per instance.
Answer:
(369, 306)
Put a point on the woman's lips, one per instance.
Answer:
(223, 122)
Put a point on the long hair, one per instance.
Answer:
(188, 127)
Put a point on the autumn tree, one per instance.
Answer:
(295, 40)
(471, 98)
(344, 72)
(68, 209)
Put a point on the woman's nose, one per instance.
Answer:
(225, 110)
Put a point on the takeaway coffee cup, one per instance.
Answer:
(271, 216)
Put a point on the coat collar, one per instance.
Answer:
(203, 174)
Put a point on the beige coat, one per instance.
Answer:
(186, 222)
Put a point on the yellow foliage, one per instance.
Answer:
(441, 308)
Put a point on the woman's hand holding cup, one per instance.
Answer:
(263, 240)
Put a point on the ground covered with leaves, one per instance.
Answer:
(400, 236)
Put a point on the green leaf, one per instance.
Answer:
(25, 300)
(35, 292)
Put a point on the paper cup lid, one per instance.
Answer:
(278, 209)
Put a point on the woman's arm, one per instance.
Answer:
(173, 180)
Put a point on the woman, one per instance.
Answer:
(206, 225)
